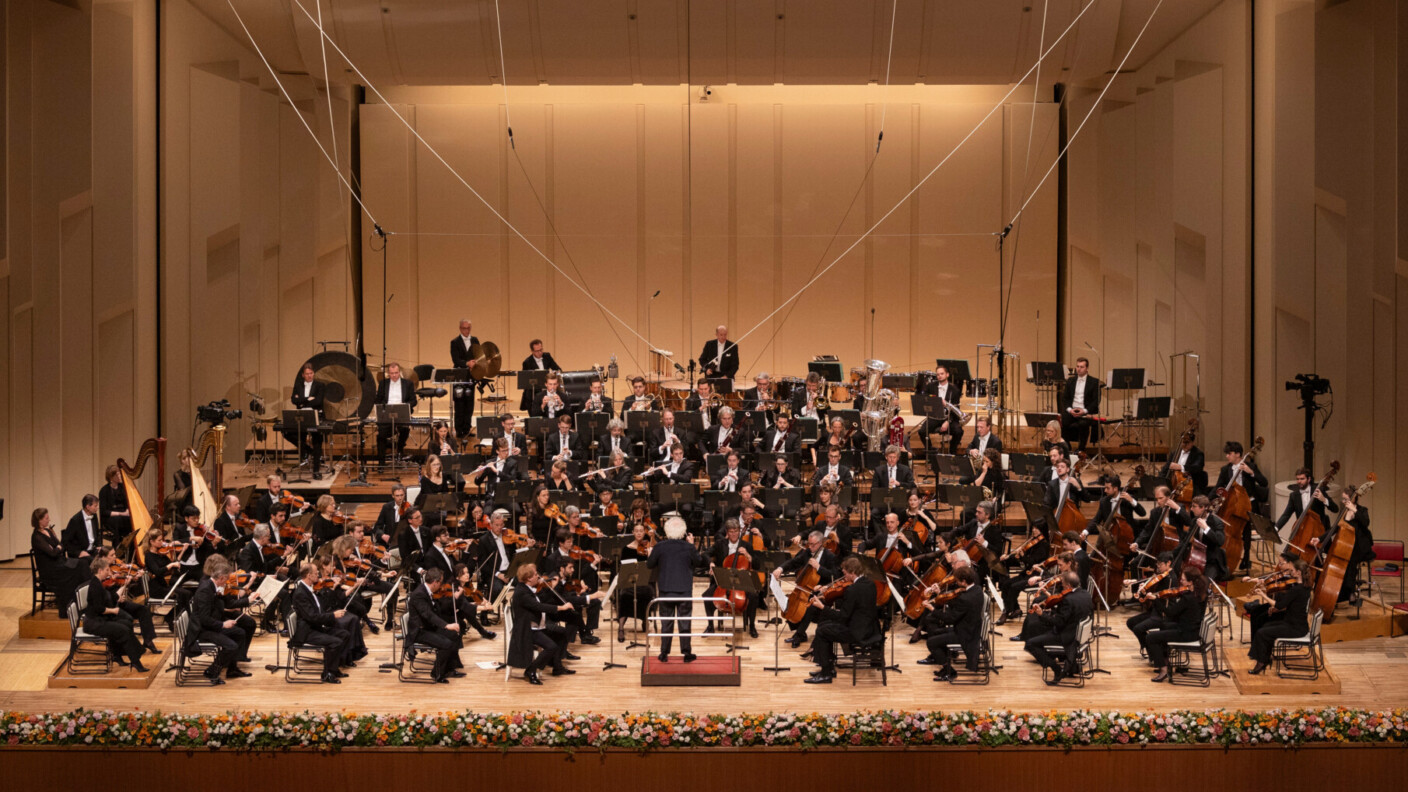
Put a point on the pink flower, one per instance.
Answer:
(726, 740)
(1024, 734)
(1067, 732)
(1161, 734)
(1122, 737)
(192, 732)
(526, 741)
(855, 738)
(794, 732)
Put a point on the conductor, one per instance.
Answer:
(674, 560)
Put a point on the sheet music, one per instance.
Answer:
(611, 589)
(775, 586)
(269, 588)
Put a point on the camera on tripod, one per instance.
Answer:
(217, 412)
(1309, 385)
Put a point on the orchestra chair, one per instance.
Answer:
(1303, 657)
(1387, 563)
(867, 654)
(191, 668)
(305, 661)
(415, 662)
(87, 653)
(42, 596)
(1180, 654)
(986, 653)
(1085, 640)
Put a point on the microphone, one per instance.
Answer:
(656, 294)
(381, 232)
(390, 297)
(679, 368)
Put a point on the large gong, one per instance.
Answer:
(346, 394)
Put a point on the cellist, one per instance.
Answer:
(1113, 494)
(828, 567)
(734, 546)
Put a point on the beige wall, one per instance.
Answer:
(77, 273)
(725, 207)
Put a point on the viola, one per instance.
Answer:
(1170, 593)
(170, 549)
(274, 549)
(915, 598)
(555, 514)
(292, 535)
(1147, 585)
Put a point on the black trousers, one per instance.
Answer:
(807, 619)
(553, 641)
(118, 632)
(310, 444)
(1158, 640)
(1012, 588)
(954, 435)
(1265, 638)
(1142, 624)
(464, 410)
(1036, 647)
(383, 438)
(334, 642)
(141, 615)
(828, 634)
(446, 650)
(233, 643)
(674, 615)
(750, 608)
(1079, 430)
(938, 644)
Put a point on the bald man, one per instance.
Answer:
(463, 394)
(720, 355)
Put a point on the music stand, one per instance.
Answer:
(301, 420)
(532, 381)
(1149, 483)
(540, 428)
(744, 580)
(632, 576)
(394, 414)
(719, 503)
(1126, 379)
(786, 501)
(1039, 420)
(1039, 514)
(1148, 411)
(1027, 465)
(591, 425)
(963, 497)
(755, 421)
(957, 369)
(1026, 491)
(487, 427)
(521, 559)
(780, 532)
(676, 494)
(640, 423)
(767, 460)
(513, 492)
(891, 500)
(565, 498)
(721, 385)
(830, 370)
(809, 429)
(441, 503)
(1047, 372)
(458, 379)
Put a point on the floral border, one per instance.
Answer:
(263, 731)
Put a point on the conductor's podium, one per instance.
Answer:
(703, 672)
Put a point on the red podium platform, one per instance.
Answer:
(703, 672)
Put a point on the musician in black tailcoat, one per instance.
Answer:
(463, 394)
(854, 619)
(530, 613)
(1079, 403)
(424, 625)
(308, 394)
(1061, 628)
(394, 390)
(719, 357)
(675, 558)
(959, 622)
(316, 626)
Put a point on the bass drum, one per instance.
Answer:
(349, 387)
(786, 386)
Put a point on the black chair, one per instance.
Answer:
(305, 661)
(191, 667)
(415, 662)
(87, 653)
(1085, 640)
(42, 594)
(868, 654)
(1302, 657)
(983, 674)
(1205, 645)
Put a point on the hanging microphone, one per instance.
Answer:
(656, 294)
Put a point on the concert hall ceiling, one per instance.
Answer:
(673, 42)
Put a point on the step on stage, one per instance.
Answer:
(701, 672)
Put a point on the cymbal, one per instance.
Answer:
(347, 394)
(486, 360)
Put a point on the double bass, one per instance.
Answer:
(1180, 484)
(1070, 519)
(1311, 525)
(1234, 507)
(1325, 594)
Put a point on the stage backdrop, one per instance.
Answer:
(725, 206)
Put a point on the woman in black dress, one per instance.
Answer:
(1182, 619)
(635, 601)
(59, 573)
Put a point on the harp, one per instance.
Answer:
(143, 517)
(212, 440)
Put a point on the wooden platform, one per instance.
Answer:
(1268, 683)
(45, 624)
(701, 672)
(120, 678)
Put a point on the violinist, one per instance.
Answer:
(424, 625)
(1283, 616)
(189, 531)
(1020, 559)
(733, 476)
(1047, 576)
(336, 592)
(458, 604)
(468, 616)
(542, 515)
(564, 444)
(1112, 497)
(317, 626)
(380, 579)
(1146, 592)
(617, 475)
(558, 480)
(1181, 620)
(1209, 529)
(159, 566)
(215, 620)
(412, 542)
(433, 480)
(944, 552)
(356, 580)
(105, 617)
(226, 525)
(854, 619)
(640, 515)
(828, 568)
(958, 622)
(565, 572)
(531, 612)
(741, 550)
(327, 523)
(634, 601)
(273, 494)
(260, 556)
(1072, 543)
(1060, 623)
(390, 514)
(606, 506)
(59, 573)
(495, 554)
(832, 471)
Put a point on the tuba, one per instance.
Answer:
(880, 405)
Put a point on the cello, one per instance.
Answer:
(1234, 508)
(808, 580)
(1116, 539)
(1180, 484)
(1070, 519)
(735, 601)
(1326, 591)
(1311, 525)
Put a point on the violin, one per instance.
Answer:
(121, 574)
(369, 548)
(832, 591)
(555, 514)
(1031, 542)
(170, 549)
(274, 549)
(293, 501)
(237, 583)
(1147, 586)
(1051, 601)
(512, 538)
(1048, 562)
(578, 554)
(1170, 593)
(292, 534)
(244, 523)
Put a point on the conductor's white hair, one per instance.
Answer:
(675, 528)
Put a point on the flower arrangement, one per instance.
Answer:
(655, 731)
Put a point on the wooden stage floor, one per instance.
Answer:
(1370, 672)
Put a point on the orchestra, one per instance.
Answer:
(591, 509)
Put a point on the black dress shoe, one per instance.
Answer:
(570, 656)
(439, 680)
(212, 673)
(945, 674)
(457, 674)
(690, 658)
(488, 635)
(332, 679)
(664, 658)
(915, 637)
(1258, 668)
(339, 675)
(1056, 677)
(532, 677)
(216, 681)
(234, 673)
(141, 669)
(562, 671)
(797, 639)
(589, 640)
(375, 629)
(819, 679)
(349, 664)
(927, 661)
(752, 631)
